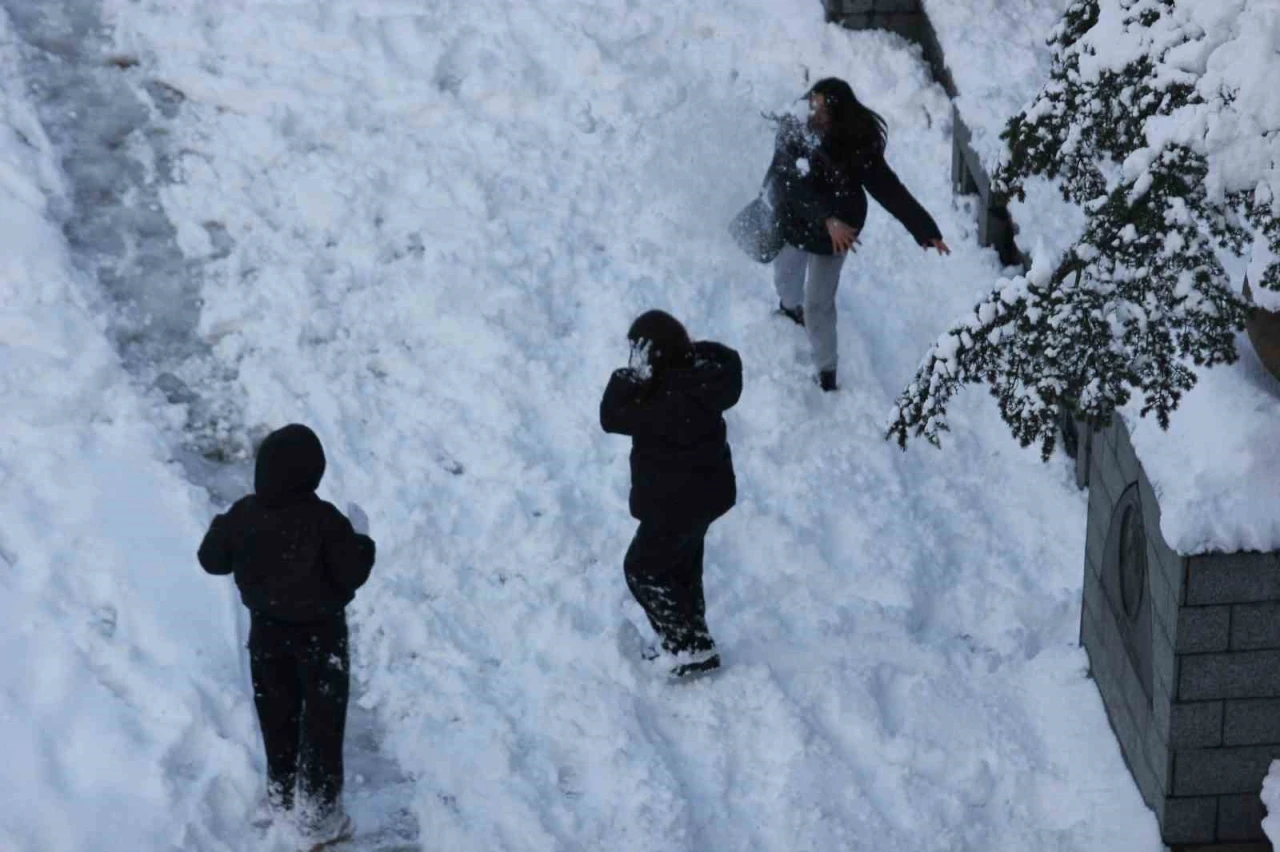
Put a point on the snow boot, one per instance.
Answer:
(827, 380)
(796, 314)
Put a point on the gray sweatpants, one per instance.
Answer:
(816, 291)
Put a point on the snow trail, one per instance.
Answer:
(113, 150)
(423, 229)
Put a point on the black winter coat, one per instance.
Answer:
(295, 557)
(805, 187)
(681, 465)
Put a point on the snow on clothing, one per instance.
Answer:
(297, 562)
(663, 567)
(681, 480)
(806, 187)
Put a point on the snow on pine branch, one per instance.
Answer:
(1155, 122)
(1131, 307)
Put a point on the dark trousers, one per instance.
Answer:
(300, 686)
(663, 567)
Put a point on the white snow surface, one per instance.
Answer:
(124, 719)
(444, 218)
(998, 54)
(1216, 471)
(1271, 800)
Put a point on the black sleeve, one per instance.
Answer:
(620, 411)
(215, 550)
(885, 188)
(348, 556)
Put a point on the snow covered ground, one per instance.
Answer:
(124, 721)
(998, 56)
(423, 229)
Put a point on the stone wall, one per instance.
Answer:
(1190, 673)
(1131, 653)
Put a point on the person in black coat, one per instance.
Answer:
(671, 401)
(297, 562)
(817, 185)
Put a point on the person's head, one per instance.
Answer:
(663, 339)
(848, 128)
(290, 465)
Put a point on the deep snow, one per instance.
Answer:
(423, 230)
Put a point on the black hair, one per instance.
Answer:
(669, 346)
(857, 132)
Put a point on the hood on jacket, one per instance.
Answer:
(714, 377)
(289, 466)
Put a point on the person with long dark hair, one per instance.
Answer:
(822, 170)
(671, 401)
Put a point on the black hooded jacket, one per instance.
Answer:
(295, 557)
(681, 466)
(805, 187)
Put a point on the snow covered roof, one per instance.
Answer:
(1216, 471)
(997, 53)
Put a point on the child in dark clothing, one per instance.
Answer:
(671, 401)
(298, 562)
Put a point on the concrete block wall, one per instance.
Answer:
(1228, 696)
(1139, 702)
(1200, 739)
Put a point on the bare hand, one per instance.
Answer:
(843, 238)
(937, 244)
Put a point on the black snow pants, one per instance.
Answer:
(663, 567)
(301, 682)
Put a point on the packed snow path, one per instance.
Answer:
(423, 229)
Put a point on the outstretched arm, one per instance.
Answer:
(886, 189)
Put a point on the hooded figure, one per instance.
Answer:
(297, 562)
(671, 402)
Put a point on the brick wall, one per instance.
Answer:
(1228, 701)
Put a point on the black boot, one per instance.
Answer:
(796, 314)
(827, 380)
